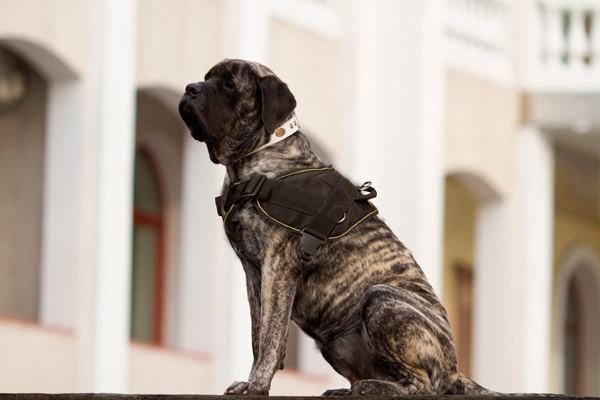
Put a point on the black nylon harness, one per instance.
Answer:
(317, 203)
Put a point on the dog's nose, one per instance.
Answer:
(193, 88)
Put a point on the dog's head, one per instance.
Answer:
(236, 109)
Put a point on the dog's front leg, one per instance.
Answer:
(253, 286)
(279, 277)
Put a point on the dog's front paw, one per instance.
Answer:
(244, 388)
(237, 388)
(337, 392)
(373, 387)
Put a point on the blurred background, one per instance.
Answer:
(478, 122)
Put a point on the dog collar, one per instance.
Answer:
(287, 129)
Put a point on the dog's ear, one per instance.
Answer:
(278, 102)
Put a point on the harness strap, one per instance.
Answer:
(273, 191)
(326, 218)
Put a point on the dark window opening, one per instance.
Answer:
(464, 301)
(147, 294)
(574, 343)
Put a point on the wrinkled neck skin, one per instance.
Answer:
(291, 153)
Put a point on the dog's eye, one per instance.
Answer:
(228, 86)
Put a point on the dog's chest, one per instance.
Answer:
(254, 232)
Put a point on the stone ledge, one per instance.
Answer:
(108, 396)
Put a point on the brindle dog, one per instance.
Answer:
(363, 298)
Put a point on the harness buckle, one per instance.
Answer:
(309, 245)
(253, 186)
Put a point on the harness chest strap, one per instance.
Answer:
(313, 206)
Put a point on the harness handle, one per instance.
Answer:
(370, 194)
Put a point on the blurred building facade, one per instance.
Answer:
(476, 120)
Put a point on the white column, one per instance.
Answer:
(199, 222)
(535, 176)
(214, 315)
(105, 292)
(248, 30)
(398, 119)
(363, 158)
(489, 316)
(62, 200)
(430, 144)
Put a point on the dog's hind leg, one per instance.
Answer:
(463, 385)
(410, 332)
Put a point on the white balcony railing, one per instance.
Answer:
(563, 50)
(478, 38)
(558, 42)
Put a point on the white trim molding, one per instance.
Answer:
(320, 17)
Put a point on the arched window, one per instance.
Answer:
(577, 323)
(147, 296)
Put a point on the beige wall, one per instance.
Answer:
(314, 69)
(482, 121)
(178, 41)
(62, 27)
(21, 164)
(36, 359)
(155, 369)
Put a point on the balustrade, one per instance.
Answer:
(478, 37)
(564, 48)
(557, 42)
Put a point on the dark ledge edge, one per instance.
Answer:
(109, 396)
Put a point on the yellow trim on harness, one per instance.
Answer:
(276, 220)
(305, 170)
(330, 237)
(230, 208)
(225, 217)
(297, 172)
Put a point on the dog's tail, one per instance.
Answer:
(463, 385)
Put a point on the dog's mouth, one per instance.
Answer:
(190, 117)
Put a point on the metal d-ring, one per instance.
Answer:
(365, 186)
(343, 219)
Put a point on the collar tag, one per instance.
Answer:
(287, 129)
